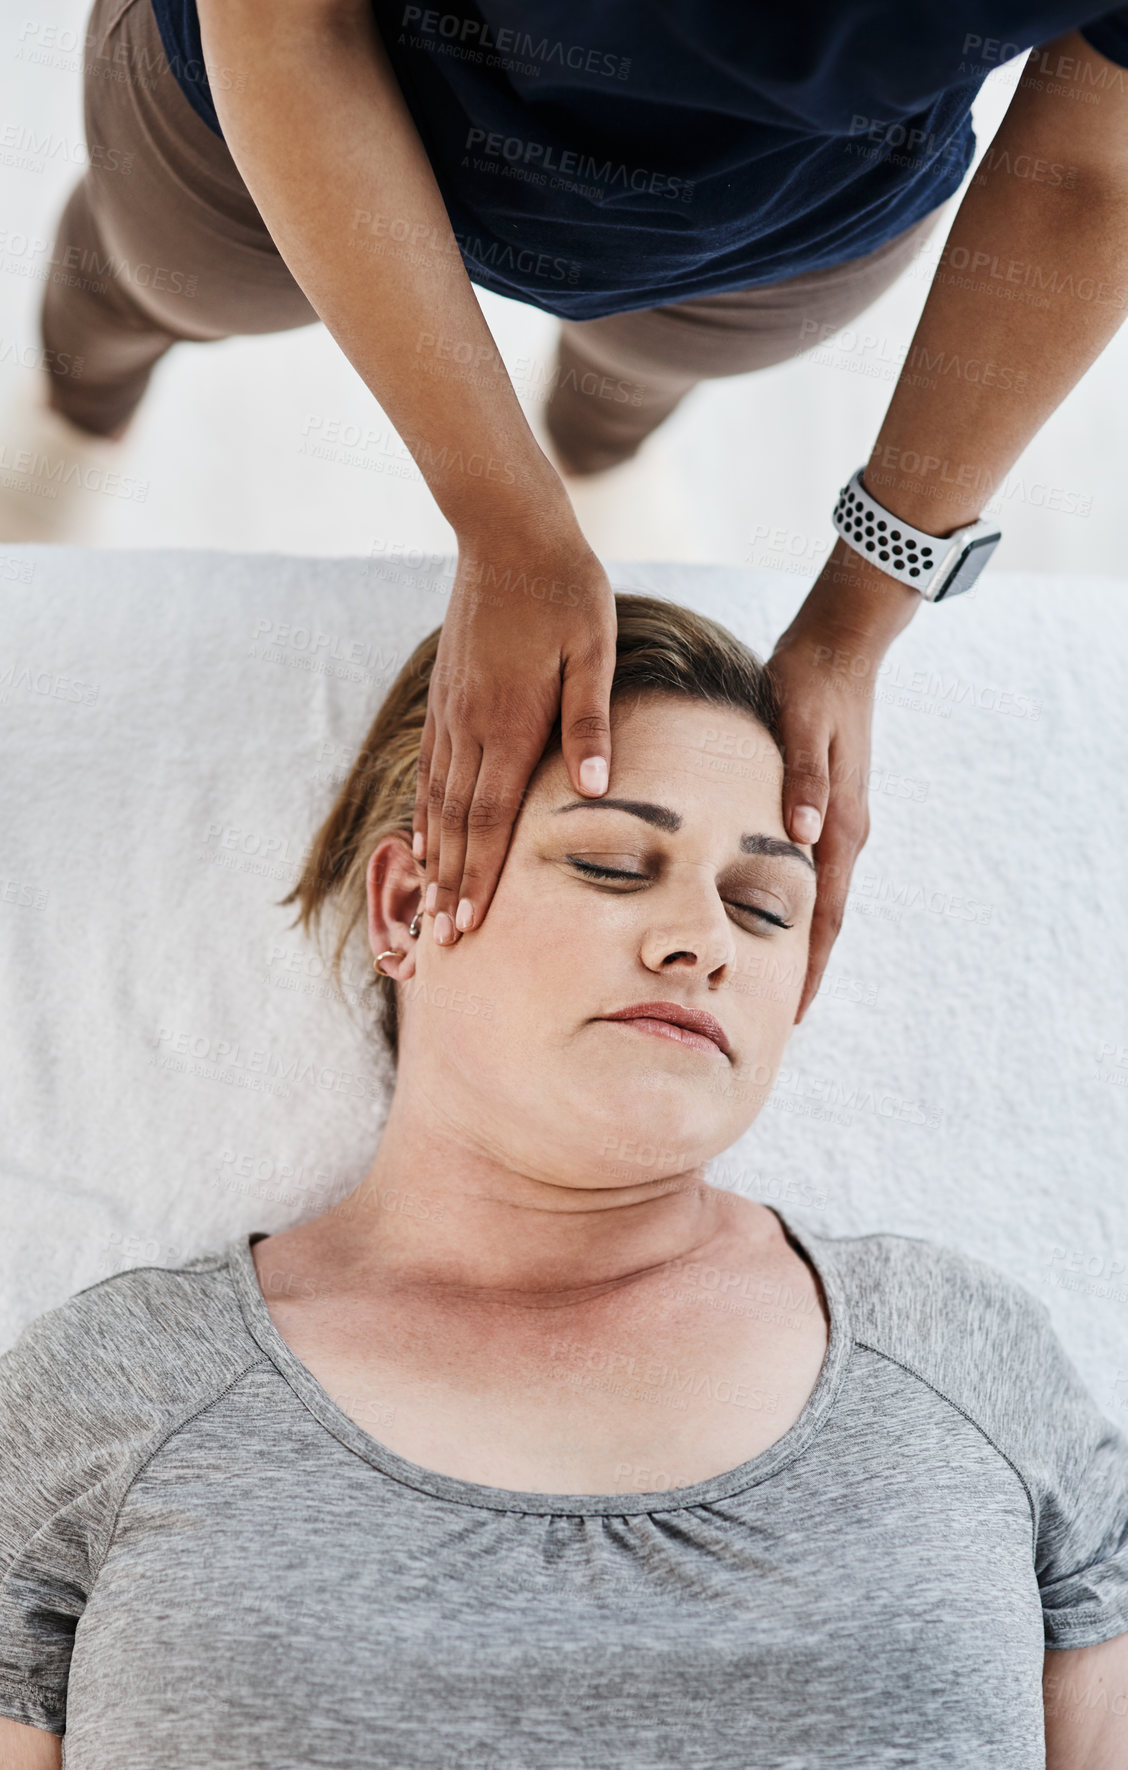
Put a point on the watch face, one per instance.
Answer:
(968, 566)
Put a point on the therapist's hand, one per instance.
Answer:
(529, 634)
(825, 671)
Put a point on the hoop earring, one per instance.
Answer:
(394, 952)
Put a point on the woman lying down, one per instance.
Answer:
(486, 1480)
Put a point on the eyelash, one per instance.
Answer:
(589, 867)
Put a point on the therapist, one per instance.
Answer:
(695, 189)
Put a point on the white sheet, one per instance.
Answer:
(173, 722)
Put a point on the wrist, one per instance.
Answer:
(934, 506)
(855, 606)
(529, 506)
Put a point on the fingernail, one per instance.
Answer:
(417, 845)
(464, 915)
(432, 893)
(593, 774)
(806, 823)
(444, 928)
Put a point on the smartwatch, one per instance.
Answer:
(934, 565)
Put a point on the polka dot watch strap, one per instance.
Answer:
(899, 549)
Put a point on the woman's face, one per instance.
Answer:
(505, 1033)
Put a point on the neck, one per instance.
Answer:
(437, 1212)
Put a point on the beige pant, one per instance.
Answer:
(160, 241)
(655, 356)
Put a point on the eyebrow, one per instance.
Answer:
(755, 842)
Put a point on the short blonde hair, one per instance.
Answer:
(661, 647)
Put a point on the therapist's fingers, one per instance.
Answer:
(824, 728)
(422, 778)
(476, 830)
(476, 836)
(585, 700)
(452, 793)
(433, 787)
(845, 832)
(806, 773)
(519, 648)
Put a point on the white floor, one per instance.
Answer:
(223, 440)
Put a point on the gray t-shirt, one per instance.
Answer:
(205, 1561)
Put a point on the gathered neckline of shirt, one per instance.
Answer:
(750, 1473)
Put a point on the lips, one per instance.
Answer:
(693, 1019)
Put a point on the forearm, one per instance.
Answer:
(1032, 284)
(327, 148)
(1085, 1690)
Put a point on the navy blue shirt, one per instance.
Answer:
(596, 156)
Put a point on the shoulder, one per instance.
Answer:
(987, 1346)
(88, 1392)
(912, 1296)
(91, 1386)
(971, 1331)
(980, 1339)
(111, 1340)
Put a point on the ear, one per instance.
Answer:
(394, 882)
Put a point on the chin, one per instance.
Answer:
(642, 1127)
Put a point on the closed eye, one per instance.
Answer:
(594, 871)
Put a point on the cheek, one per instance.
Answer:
(495, 988)
(767, 1042)
(769, 978)
(540, 931)
(767, 991)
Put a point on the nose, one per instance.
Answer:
(690, 930)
